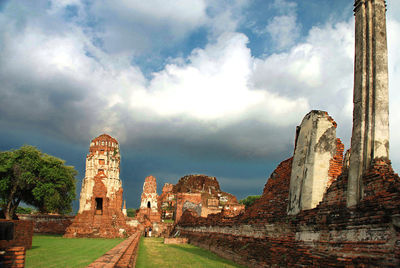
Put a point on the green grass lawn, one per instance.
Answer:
(56, 251)
(153, 253)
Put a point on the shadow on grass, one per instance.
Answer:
(200, 252)
(34, 247)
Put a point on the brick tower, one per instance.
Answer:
(149, 202)
(100, 205)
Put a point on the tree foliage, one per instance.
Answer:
(24, 210)
(131, 212)
(37, 179)
(248, 201)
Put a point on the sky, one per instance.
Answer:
(185, 86)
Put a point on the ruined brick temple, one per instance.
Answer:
(100, 205)
(203, 196)
(318, 208)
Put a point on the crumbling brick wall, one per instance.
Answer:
(167, 201)
(330, 235)
(186, 198)
(23, 232)
(48, 224)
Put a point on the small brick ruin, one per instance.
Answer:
(203, 195)
(15, 246)
(100, 205)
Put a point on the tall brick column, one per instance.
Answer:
(370, 137)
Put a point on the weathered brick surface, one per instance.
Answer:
(330, 235)
(111, 223)
(14, 257)
(23, 232)
(196, 184)
(48, 224)
(336, 164)
(15, 249)
(149, 206)
(182, 198)
(167, 202)
(202, 194)
(100, 207)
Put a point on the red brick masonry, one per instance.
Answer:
(331, 235)
(23, 232)
(48, 224)
(15, 249)
(14, 257)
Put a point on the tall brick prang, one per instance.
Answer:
(100, 207)
(370, 137)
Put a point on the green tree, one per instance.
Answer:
(131, 212)
(37, 179)
(248, 201)
(24, 210)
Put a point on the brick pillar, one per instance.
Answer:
(370, 136)
(14, 257)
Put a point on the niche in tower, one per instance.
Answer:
(99, 206)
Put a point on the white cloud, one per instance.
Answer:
(224, 16)
(284, 31)
(284, 28)
(285, 7)
(319, 69)
(181, 16)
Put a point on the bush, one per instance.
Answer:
(25, 210)
(131, 212)
(248, 201)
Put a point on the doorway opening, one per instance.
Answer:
(99, 206)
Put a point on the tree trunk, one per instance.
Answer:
(11, 206)
(7, 211)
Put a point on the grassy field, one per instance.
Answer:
(56, 251)
(153, 253)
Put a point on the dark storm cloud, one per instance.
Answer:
(56, 106)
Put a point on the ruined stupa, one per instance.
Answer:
(149, 207)
(100, 205)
